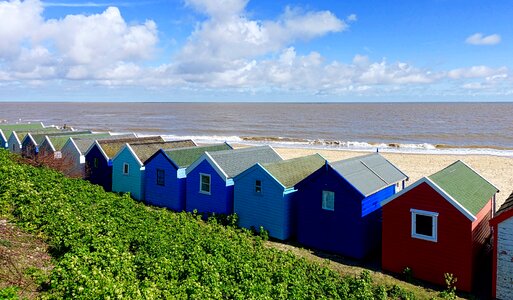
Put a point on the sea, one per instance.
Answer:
(431, 128)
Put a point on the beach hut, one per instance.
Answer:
(438, 225)
(7, 129)
(502, 270)
(17, 136)
(265, 194)
(209, 182)
(98, 158)
(52, 145)
(338, 206)
(164, 180)
(128, 167)
(73, 152)
(32, 141)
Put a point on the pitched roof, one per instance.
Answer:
(465, 186)
(59, 141)
(40, 137)
(83, 143)
(21, 134)
(9, 128)
(291, 171)
(369, 173)
(111, 147)
(507, 205)
(146, 150)
(184, 157)
(233, 162)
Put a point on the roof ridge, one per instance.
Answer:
(241, 150)
(290, 160)
(374, 172)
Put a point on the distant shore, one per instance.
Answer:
(496, 169)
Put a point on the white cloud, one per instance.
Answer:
(475, 72)
(228, 35)
(75, 47)
(480, 39)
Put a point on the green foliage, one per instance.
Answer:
(108, 246)
(408, 274)
(450, 291)
(9, 293)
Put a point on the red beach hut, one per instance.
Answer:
(502, 271)
(438, 225)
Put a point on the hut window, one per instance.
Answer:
(258, 186)
(95, 162)
(205, 184)
(161, 174)
(424, 225)
(126, 169)
(328, 200)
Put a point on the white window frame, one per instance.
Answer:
(126, 167)
(433, 215)
(324, 203)
(258, 192)
(209, 184)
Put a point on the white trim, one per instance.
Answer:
(206, 156)
(201, 191)
(439, 190)
(252, 168)
(434, 217)
(132, 152)
(48, 141)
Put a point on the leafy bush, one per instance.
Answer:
(108, 246)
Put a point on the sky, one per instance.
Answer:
(242, 51)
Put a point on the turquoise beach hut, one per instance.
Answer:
(164, 180)
(209, 183)
(128, 167)
(265, 194)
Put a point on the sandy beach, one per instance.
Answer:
(498, 170)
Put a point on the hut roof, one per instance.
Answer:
(184, 157)
(111, 147)
(465, 186)
(369, 173)
(291, 171)
(7, 129)
(234, 162)
(83, 143)
(146, 150)
(59, 141)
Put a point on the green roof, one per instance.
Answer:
(40, 137)
(59, 141)
(83, 143)
(186, 156)
(291, 171)
(23, 133)
(111, 147)
(7, 129)
(146, 150)
(465, 186)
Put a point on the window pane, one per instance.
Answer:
(258, 186)
(126, 168)
(205, 183)
(424, 225)
(328, 200)
(160, 177)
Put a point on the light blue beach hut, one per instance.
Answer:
(265, 194)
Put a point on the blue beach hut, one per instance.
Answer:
(265, 194)
(128, 168)
(98, 158)
(209, 183)
(339, 210)
(7, 129)
(164, 180)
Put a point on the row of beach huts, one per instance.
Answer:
(440, 224)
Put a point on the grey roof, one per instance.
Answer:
(507, 205)
(369, 173)
(234, 162)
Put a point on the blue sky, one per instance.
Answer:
(239, 50)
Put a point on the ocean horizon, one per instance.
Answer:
(427, 127)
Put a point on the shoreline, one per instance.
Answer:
(496, 169)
